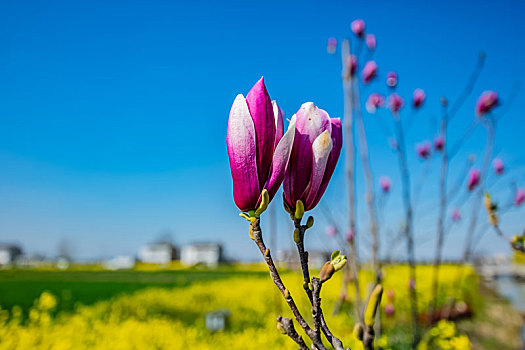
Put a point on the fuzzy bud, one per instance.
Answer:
(373, 303)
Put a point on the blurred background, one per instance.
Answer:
(116, 211)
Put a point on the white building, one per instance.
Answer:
(9, 253)
(209, 254)
(120, 262)
(157, 253)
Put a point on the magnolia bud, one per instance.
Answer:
(299, 209)
(373, 303)
(326, 271)
(296, 236)
(265, 200)
(310, 222)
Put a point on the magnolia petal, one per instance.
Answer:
(279, 123)
(311, 122)
(321, 152)
(337, 142)
(261, 110)
(240, 141)
(281, 158)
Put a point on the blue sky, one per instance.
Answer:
(114, 113)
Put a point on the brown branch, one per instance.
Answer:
(303, 257)
(257, 237)
(368, 338)
(287, 326)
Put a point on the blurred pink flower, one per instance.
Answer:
(520, 197)
(439, 143)
(389, 310)
(358, 27)
(370, 41)
(498, 165)
(374, 101)
(385, 183)
(411, 283)
(350, 235)
(486, 102)
(395, 102)
(455, 215)
(423, 149)
(330, 231)
(391, 79)
(390, 294)
(351, 63)
(473, 179)
(369, 71)
(331, 47)
(418, 97)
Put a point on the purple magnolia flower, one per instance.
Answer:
(389, 310)
(385, 183)
(330, 231)
(486, 102)
(455, 215)
(331, 46)
(520, 197)
(358, 27)
(473, 179)
(350, 235)
(423, 149)
(418, 97)
(374, 101)
(315, 151)
(369, 71)
(351, 63)
(396, 102)
(439, 143)
(391, 79)
(498, 165)
(370, 41)
(257, 148)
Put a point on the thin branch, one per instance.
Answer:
(289, 329)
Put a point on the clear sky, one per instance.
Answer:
(114, 113)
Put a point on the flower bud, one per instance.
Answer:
(391, 79)
(331, 46)
(326, 271)
(299, 209)
(310, 222)
(370, 41)
(373, 303)
(358, 27)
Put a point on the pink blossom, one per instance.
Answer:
(411, 283)
(391, 79)
(423, 149)
(374, 101)
(384, 182)
(486, 102)
(396, 102)
(498, 165)
(330, 231)
(389, 310)
(358, 27)
(473, 179)
(418, 97)
(370, 41)
(455, 215)
(350, 235)
(332, 45)
(390, 294)
(520, 197)
(351, 64)
(439, 143)
(369, 71)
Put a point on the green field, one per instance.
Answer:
(22, 287)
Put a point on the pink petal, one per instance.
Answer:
(311, 122)
(280, 161)
(240, 141)
(279, 123)
(261, 110)
(321, 152)
(337, 144)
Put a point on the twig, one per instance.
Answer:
(257, 237)
(405, 183)
(289, 329)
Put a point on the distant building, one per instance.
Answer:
(31, 260)
(209, 254)
(9, 253)
(121, 262)
(158, 253)
(316, 258)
